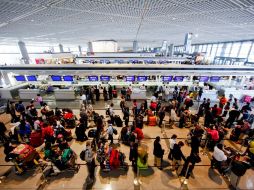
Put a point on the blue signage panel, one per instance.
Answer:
(31, 78)
(56, 78)
(20, 78)
(130, 78)
(93, 78)
(141, 78)
(167, 78)
(105, 78)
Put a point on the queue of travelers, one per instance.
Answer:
(52, 127)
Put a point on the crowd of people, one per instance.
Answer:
(208, 128)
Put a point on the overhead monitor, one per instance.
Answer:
(105, 78)
(68, 78)
(31, 78)
(214, 79)
(141, 78)
(20, 78)
(178, 78)
(130, 78)
(203, 79)
(167, 78)
(93, 78)
(56, 78)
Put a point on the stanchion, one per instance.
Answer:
(204, 152)
(137, 180)
(184, 181)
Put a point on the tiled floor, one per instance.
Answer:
(152, 179)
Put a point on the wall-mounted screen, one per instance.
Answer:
(31, 78)
(178, 78)
(141, 78)
(214, 79)
(203, 79)
(93, 78)
(68, 78)
(130, 78)
(105, 78)
(167, 78)
(56, 78)
(20, 78)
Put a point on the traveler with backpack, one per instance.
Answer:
(89, 156)
(110, 132)
(20, 108)
(158, 153)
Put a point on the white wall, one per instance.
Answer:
(104, 46)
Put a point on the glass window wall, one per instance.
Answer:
(245, 50)
(235, 49)
(227, 50)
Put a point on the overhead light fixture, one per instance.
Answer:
(196, 35)
(3, 24)
(173, 18)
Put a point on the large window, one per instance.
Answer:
(227, 50)
(244, 50)
(204, 48)
(209, 47)
(235, 49)
(251, 56)
(219, 49)
(214, 49)
(200, 48)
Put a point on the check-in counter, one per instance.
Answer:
(210, 94)
(11, 92)
(138, 94)
(237, 93)
(64, 94)
(26, 94)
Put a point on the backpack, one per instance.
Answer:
(114, 131)
(20, 108)
(83, 155)
(66, 155)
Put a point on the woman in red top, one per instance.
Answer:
(214, 136)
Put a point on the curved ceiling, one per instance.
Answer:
(148, 21)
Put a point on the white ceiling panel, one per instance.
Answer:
(148, 21)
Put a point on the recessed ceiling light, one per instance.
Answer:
(32, 20)
(173, 18)
(196, 35)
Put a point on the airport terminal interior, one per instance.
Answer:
(127, 94)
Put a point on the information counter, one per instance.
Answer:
(138, 94)
(210, 94)
(64, 94)
(26, 94)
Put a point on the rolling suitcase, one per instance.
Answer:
(118, 121)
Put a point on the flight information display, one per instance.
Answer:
(93, 78)
(167, 78)
(214, 79)
(31, 78)
(130, 78)
(178, 78)
(203, 79)
(20, 78)
(56, 78)
(105, 78)
(141, 78)
(68, 78)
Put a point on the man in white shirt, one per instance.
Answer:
(218, 157)
(83, 99)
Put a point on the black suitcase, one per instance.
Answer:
(118, 121)
(92, 133)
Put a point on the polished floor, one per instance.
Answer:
(152, 179)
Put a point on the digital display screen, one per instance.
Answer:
(214, 79)
(167, 78)
(56, 78)
(68, 78)
(105, 78)
(20, 78)
(203, 79)
(178, 78)
(141, 78)
(93, 78)
(31, 78)
(130, 78)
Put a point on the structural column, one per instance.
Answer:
(80, 50)
(135, 46)
(187, 42)
(23, 51)
(61, 48)
(171, 50)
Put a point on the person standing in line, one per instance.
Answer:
(172, 142)
(105, 94)
(90, 160)
(12, 111)
(97, 93)
(158, 153)
(39, 99)
(110, 132)
(126, 115)
(110, 94)
(177, 155)
(161, 115)
(83, 99)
